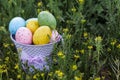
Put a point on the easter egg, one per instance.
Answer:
(55, 36)
(42, 35)
(35, 19)
(23, 35)
(45, 18)
(32, 25)
(16, 23)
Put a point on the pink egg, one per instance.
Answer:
(23, 35)
(55, 36)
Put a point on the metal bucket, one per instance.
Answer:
(34, 55)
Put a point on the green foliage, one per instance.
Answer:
(90, 47)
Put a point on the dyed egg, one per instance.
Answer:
(45, 18)
(35, 19)
(32, 25)
(42, 35)
(16, 23)
(55, 36)
(23, 35)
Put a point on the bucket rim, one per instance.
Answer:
(11, 36)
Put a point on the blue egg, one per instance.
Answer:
(31, 19)
(15, 24)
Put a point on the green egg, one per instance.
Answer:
(45, 18)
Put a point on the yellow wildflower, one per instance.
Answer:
(118, 46)
(16, 66)
(42, 74)
(39, 4)
(98, 78)
(98, 39)
(73, 9)
(5, 45)
(38, 10)
(54, 60)
(68, 36)
(5, 70)
(90, 47)
(82, 51)
(1, 69)
(74, 67)
(81, 1)
(65, 30)
(59, 73)
(76, 56)
(77, 51)
(60, 54)
(2, 28)
(50, 74)
(85, 34)
(83, 21)
(35, 76)
(18, 76)
(77, 78)
(7, 58)
(113, 42)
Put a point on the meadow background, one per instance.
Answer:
(91, 33)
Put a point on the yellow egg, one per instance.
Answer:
(32, 25)
(42, 35)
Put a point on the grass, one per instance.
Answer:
(90, 30)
